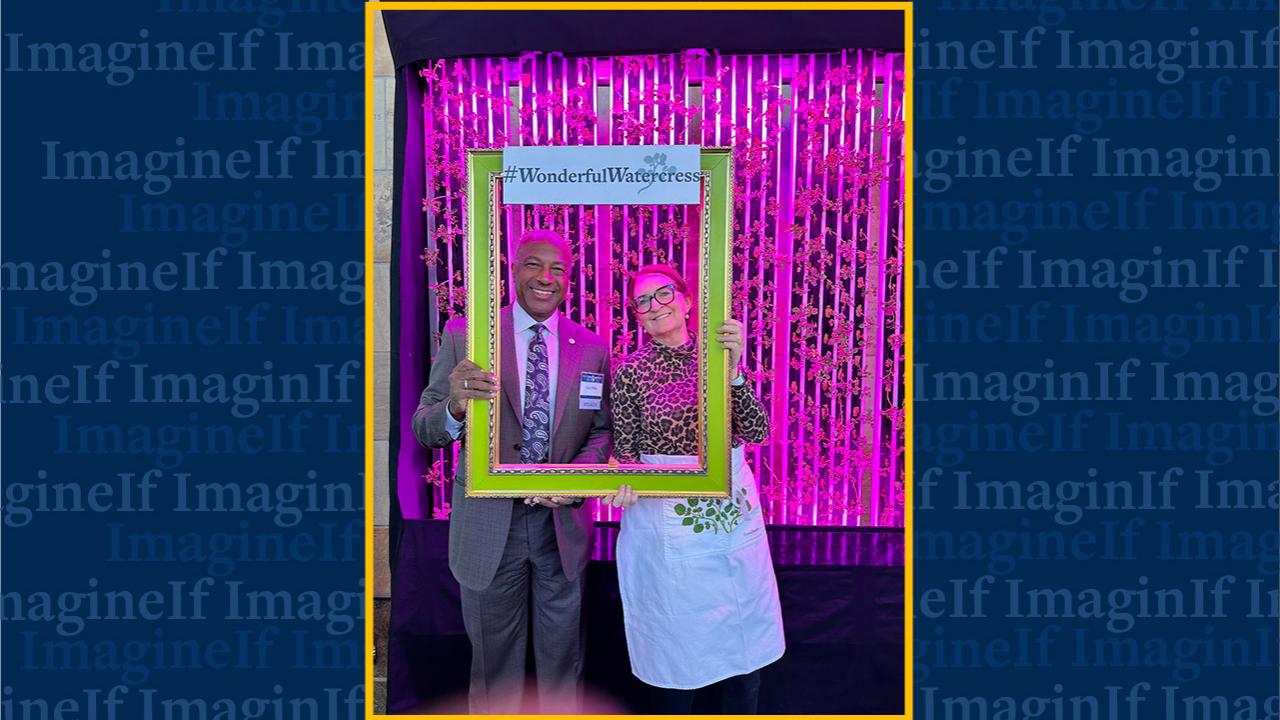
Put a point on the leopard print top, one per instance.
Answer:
(655, 394)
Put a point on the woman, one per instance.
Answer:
(699, 597)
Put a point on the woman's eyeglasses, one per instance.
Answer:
(663, 295)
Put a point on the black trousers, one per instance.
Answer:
(738, 695)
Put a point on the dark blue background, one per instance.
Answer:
(74, 220)
(1115, 244)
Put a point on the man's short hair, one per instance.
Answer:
(544, 235)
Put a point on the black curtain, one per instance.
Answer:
(416, 35)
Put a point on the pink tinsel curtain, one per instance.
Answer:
(818, 146)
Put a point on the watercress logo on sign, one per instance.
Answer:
(601, 175)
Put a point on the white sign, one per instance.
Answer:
(601, 175)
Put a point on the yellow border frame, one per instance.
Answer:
(907, 281)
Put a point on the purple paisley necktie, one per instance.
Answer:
(537, 401)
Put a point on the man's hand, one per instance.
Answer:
(469, 382)
(551, 502)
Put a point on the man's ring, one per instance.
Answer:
(465, 385)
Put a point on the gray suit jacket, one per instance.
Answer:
(478, 527)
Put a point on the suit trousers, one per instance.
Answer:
(497, 620)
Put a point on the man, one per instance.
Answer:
(503, 551)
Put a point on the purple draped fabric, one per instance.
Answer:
(411, 336)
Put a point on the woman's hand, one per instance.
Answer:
(733, 339)
(625, 498)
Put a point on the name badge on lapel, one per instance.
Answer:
(590, 391)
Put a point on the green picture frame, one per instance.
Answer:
(486, 477)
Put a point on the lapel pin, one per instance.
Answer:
(571, 341)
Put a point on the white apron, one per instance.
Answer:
(699, 607)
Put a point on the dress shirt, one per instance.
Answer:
(522, 325)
